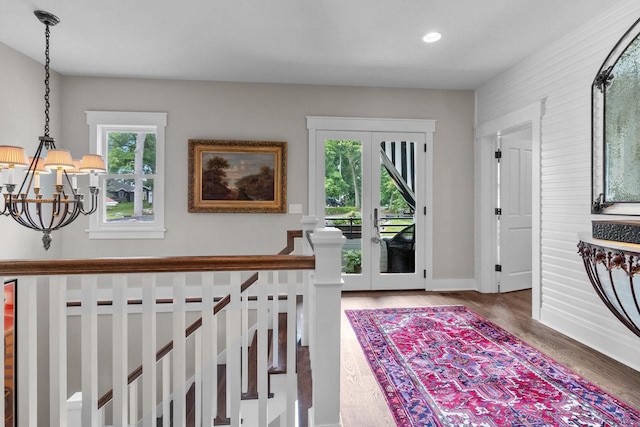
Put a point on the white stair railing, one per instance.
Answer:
(155, 298)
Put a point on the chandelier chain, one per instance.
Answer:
(46, 82)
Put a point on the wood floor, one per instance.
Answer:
(362, 403)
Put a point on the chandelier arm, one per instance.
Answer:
(70, 217)
(32, 169)
(94, 201)
(22, 216)
(56, 208)
(5, 210)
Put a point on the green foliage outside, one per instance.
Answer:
(390, 198)
(352, 261)
(343, 180)
(125, 210)
(339, 211)
(343, 171)
(122, 153)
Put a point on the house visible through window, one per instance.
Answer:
(131, 169)
(132, 202)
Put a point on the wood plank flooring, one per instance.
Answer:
(362, 403)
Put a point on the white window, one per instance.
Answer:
(131, 202)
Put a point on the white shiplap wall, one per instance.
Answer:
(563, 73)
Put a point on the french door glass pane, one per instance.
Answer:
(343, 193)
(397, 207)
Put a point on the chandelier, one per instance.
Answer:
(28, 206)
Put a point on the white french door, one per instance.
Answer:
(374, 186)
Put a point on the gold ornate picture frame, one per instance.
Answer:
(237, 176)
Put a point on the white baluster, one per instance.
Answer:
(246, 340)
(263, 353)
(57, 351)
(209, 352)
(179, 351)
(89, 362)
(274, 279)
(166, 390)
(149, 346)
(120, 350)
(133, 403)
(27, 351)
(233, 351)
(292, 348)
(198, 377)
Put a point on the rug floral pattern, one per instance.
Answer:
(448, 366)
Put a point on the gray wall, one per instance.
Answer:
(21, 123)
(271, 112)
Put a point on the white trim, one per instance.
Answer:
(101, 121)
(485, 242)
(454, 285)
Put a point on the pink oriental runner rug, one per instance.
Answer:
(447, 366)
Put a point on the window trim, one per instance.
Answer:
(99, 123)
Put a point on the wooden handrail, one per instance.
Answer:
(163, 351)
(291, 236)
(156, 265)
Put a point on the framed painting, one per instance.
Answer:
(237, 176)
(10, 288)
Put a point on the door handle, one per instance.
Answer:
(376, 226)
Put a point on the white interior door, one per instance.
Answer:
(374, 191)
(516, 206)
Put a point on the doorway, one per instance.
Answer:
(515, 209)
(374, 186)
(487, 241)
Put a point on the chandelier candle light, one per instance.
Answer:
(28, 206)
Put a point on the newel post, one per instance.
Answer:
(326, 286)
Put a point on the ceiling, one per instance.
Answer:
(325, 42)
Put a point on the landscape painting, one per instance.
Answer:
(237, 176)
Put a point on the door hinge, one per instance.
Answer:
(425, 210)
(425, 147)
(498, 267)
(498, 211)
(498, 155)
(424, 273)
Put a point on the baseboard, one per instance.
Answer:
(452, 285)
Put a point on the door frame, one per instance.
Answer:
(486, 194)
(317, 124)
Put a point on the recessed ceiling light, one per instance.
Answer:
(432, 37)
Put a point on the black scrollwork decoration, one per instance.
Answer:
(604, 79)
(622, 297)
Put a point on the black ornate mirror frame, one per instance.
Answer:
(602, 80)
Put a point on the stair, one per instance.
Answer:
(278, 366)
